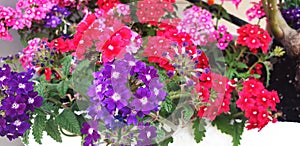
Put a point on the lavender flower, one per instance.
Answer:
(126, 89)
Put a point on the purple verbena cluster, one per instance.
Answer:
(125, 91)
(18, 98)
(54, 18)
(292, 17)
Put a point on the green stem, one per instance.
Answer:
(237, 115)
(219, 13)
(241, 53)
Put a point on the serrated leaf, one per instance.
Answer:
(238, 129)
(66, 64)
(188, 112)
(40, 88)
(25, 137)
(167, 104)
(222, 122)
(52, 130)
(199, 130)
(38, 128)
(166, 142)
(62, 88)
(68, 121)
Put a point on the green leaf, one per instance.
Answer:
(52, 130)
(66, 64)
(199, 129)
(40, 88)
(222, 122)
(62, 88)
(38, 128)
(167, 104)
(241, 65)
(188, 112)
(25, 138)
(67, 120)
(166, 142)
(238, 129)
(257, 76)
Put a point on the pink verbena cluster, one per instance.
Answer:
(198, 24)
(256, 11)
(257, 103)
(223, 37)
(28, 53)
(151, 11)
(26, 11)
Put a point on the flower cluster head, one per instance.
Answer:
(38, 53)
(292, 17)
(127, 89)
(198, 23)
(151, 11)
(257, 103)
(222, 36)
(18, 98)
(214, 92)
(25, 13)
(256, 11)
(254, 37)
(106, 5)
(110, 36)
(54, 18)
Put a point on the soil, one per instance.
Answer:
(283, 81)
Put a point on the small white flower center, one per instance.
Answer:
(254, 112)
(156, 91)
(148, 77)
(148, 134)
(144, 100)
(17, 123)
(264, 99)
(2, 78)
(116, 97)
(91, 130)
(110, 47)
(30, 100)
(22, 86)
(115, 75)
(15, 106)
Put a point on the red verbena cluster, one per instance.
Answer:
(150, 11)
(254, 37)
(257, 103)
(211, 85)
(106, 5)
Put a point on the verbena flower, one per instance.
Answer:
(18, 99)
(256, 11)
(257, 103)
(254, 37)
(127, 89)
(198, 23)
